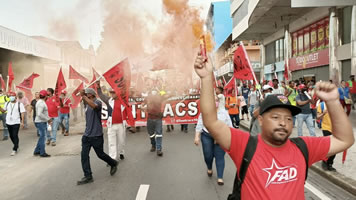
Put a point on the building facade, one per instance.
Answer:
(311, 42)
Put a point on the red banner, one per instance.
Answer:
(11, 77)
(73, 74)
(119, 78)
(77, 99)
(229, 87)
(316, 59)
(286, 73)
(242, 68)
(178, 110)
(28, 82)
(61, 83)
(96, 73)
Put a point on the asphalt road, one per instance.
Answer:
(179, 175)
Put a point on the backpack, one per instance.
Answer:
(18, 106)
(247, 158)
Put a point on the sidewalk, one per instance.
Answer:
(345, 176)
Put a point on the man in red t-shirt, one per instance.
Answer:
(64, 110)
(277, 169)
(53, 108)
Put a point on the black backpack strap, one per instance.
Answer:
(239, 179)
(302, 146)
(18, 106)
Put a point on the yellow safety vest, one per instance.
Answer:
(3, 100)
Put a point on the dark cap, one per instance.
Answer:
(278, 101)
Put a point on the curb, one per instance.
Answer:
(338, 179)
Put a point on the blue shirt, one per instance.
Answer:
(245, 91)
(344, 92)
(93, 127)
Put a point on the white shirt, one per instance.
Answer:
(221, 100)
(223, 116)
(279, 90)
(253, 97)
(13, 114)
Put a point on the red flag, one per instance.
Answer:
(28, 82)
(61, 84)
(242, 68)
(286, 73)
(73, 74)
(230, 86)
(119, 78)
(77, 99)
(11, 77)
(3, 85)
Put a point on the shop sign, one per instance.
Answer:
(315, 59)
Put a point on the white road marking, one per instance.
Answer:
(316, 192)
(142, 192)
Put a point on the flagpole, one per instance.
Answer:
(7, 84)
(98, 79)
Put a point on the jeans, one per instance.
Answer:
(14, 135)
(116, 140)
(308, 119)
(252, 108)
(154, 128)
(235, 118)
(42, 129)
(38, 133)
(3, 119)
(330, 160)
(314, 116)
(98, 144)
(55, 124)
(184, 127)
(211, 150)
(65, 117)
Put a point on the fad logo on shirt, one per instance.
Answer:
(280, 175)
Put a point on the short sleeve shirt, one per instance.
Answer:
(52, 105)
(245, 91)
(305, 108)
(275, 172)
(66, 108)
(93, 126)
(13, 112)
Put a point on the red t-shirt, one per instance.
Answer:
(53, 106)
(66, 106)
(275, 173)
(116, 113)
(353, 88)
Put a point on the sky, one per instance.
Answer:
(49, 18)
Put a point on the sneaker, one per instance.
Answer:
(122, 157)
(113, 169)
(13, 153)
(48, 142)
(324, 165)
(53, 143)
(36, 153)
(45, 155)
(331, 168)
(153, 149)
(66, 133)
(159, 153)
(85, 180)
(5, 138)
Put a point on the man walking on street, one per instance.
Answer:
(15, 116)
(153, 105)
(41, 120)
(303, 102)
(53, 106)
(93, 136)
(22, 99)
(115, 123)
(64, 110)
(3, 100)
(33, 106)
(277, 169)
